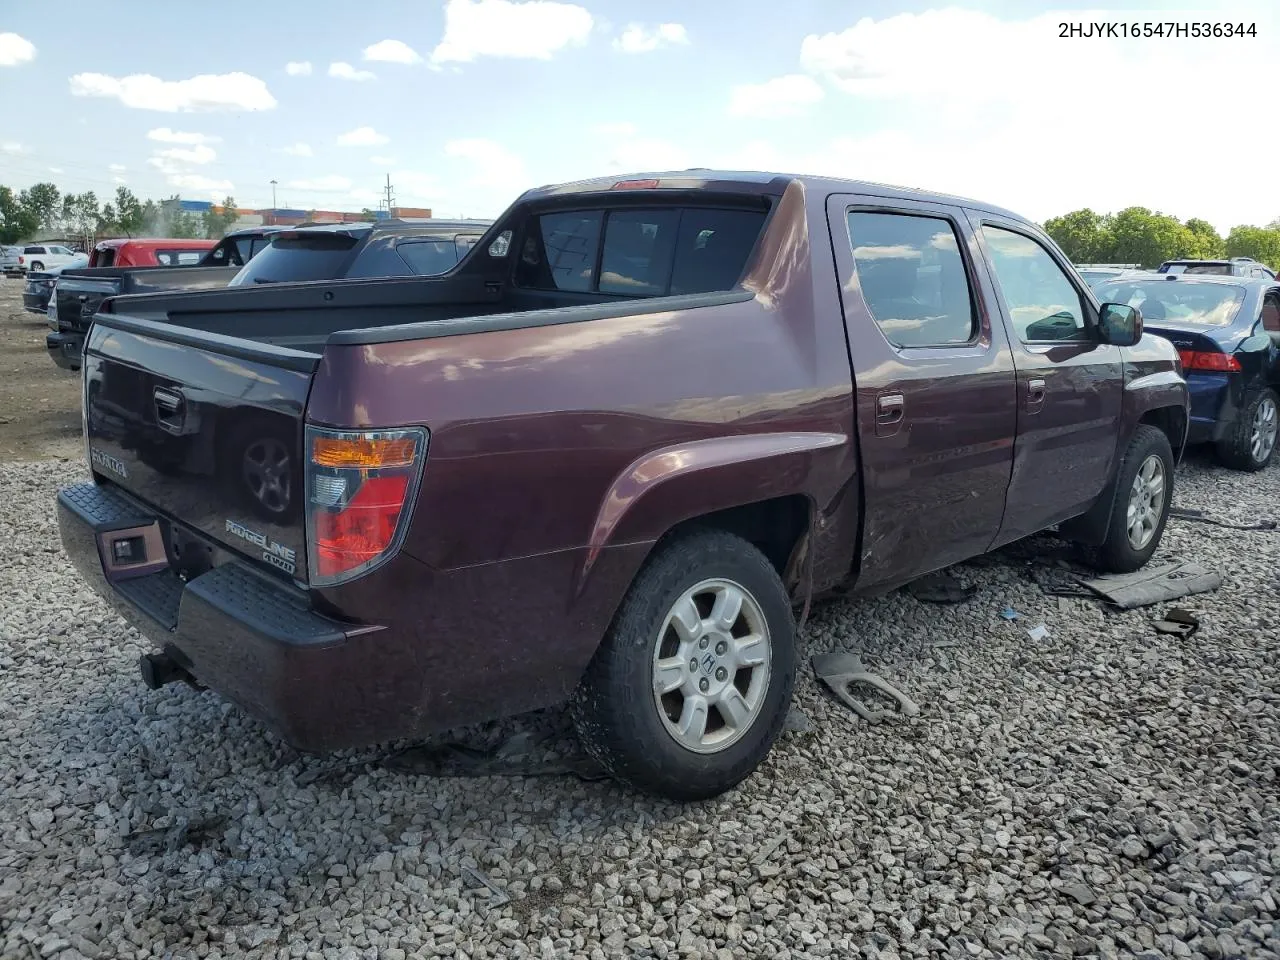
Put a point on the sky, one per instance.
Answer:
(466, 103)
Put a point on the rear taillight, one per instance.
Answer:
(1208, 360)
(22, 260)
(360, 492)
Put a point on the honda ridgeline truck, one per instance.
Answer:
(604, 457)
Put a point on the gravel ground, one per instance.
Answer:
(1105, 792)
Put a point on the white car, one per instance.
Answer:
(42, 256)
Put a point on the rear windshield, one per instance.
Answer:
(319, 256)
(1172, 301)
(179, 258)
(639, 252)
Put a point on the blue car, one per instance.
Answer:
(1227, 331)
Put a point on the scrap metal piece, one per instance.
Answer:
(940, 587)
(1199, 516)
(1177, 622)
(1038, 633)
(1169, 581)
(841, 669)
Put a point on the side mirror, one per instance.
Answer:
(1120, 324)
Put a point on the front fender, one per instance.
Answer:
(1159, 390)
(669, 486)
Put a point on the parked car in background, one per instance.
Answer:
(39, 285)
(149, 252)
(1235, 267)
(383, 248)
(1096, 272)
(9, 264)
(39, 256)
(1227, 332)
(603, 456)
(136, 266)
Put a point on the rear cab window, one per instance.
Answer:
(639, 251)
(179, 258)
(428, 256)
(323, 255)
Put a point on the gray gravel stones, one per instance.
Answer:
(1105, 792)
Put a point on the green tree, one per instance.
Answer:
(1204, 242)
(1140, 236)
(131, 217)
(1082, 234)
(17, 222)
(216, 223)
(1261, 243)
(81, 214)
(44, 203)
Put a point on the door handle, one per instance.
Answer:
(889, 414)
(889, 407)
(1035, 390)
(170, 409)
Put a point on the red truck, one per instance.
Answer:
(603, 457)
(149, 252)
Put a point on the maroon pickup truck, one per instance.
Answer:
(604, 458)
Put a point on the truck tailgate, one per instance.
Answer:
(203, 429)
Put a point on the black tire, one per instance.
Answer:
(615, 708)
(1118, 554)
(1236, 449)
(37, 266)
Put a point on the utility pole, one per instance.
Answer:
(391, 199)
(273, 194)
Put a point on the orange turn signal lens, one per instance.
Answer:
(363, 451)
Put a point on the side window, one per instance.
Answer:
(463, 243)
(1043, 304)
(1271, 313)
(257, 246)
(712, 248)
(428, 258)
(559, 252)
(913, 278)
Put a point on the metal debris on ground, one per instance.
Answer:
(940, 587)
(173, 838)
(1200, 516)
(840, 670)
(1168, 581)
(797, 722)
(513, 758)
(480, 880)
(1177, 622)
(1038, 633)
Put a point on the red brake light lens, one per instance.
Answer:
(1208, 360)
(360, 493)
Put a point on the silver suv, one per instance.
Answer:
(1235, 267)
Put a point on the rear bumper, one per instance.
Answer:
(65, 349)
(1213, 407)
(35, 303)
(313, 679)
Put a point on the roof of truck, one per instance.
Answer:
(444, 226)
(170, 243)
(750, 181)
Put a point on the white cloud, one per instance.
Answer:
(15, 50)
(534, 30)
(204, 93)
(195, 181)
(638, 38)
(297, 150)
(165, 135)
(392, 51)
(198, 154)
(119, 179)
(491, 165)
(647, 155)
(117, 168)
(363, 137)
(327, 184)
(345, 71)
(780, 97)
(298, 68)
(382, 161)
(12, 146)
(55, 170)
(1009, 131)
(621, 128)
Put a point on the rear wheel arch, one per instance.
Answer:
(1172, 422)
